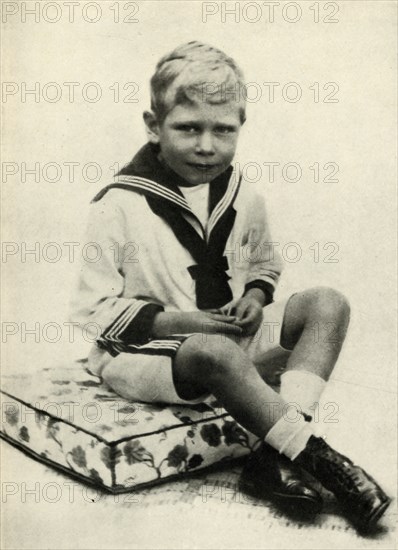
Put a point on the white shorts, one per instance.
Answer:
(144, 373)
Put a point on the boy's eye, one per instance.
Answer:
(224, 130)
(187, 128)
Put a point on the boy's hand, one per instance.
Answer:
(215, 323)
(206, 322)
(249, 314)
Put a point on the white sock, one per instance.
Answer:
(288, 437)
(302, 387)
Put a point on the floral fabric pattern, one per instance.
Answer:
(69, 418)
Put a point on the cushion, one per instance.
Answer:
(71, 420)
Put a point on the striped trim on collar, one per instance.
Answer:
(153, 187)
(226, 201)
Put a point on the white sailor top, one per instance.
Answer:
(156, 256)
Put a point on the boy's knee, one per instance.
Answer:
(212, 355)
(330, 303)
(115, 378)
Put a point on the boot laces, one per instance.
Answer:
(346, 472)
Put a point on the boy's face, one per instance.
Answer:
(198, 141)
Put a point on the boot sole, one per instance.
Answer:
(299, 505)
(374, 518)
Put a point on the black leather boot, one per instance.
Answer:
(363, 501)
(271, 476)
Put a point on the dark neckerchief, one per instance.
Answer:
(145, 174)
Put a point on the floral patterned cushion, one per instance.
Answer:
(70, 419)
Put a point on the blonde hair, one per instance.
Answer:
(195, 72)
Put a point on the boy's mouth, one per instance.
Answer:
(203, 167)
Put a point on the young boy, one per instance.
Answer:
(183, 291)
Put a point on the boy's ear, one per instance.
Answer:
(152, 126)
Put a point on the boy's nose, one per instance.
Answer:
(204, 144)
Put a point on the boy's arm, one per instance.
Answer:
(264, 269)
(264, 263)
(97, 301)
(185, 322)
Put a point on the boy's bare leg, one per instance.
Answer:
(314, 327)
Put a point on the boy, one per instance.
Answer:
(183, 318)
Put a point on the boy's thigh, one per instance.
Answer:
(146, 378)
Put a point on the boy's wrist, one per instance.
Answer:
(266, 290)
(258, 295)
